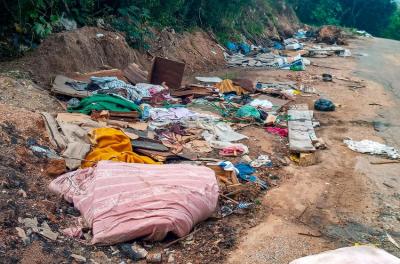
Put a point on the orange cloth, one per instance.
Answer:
(112, 144)
(227, 86)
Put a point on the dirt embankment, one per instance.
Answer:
(89, 49)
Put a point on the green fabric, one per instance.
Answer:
(248, 111)
(100, 102)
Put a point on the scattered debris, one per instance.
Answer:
(391, 239)
(358, 254)
(21, 233)
(324, 105)
(154, 257)
(374, 148)
(78, 258)
(331, 35)
(120, 121)
(261, 161)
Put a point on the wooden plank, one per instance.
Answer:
(168, 71)
(59, 87)
(52, 127)
(148, 144)
(301, 131)
(135, 74)
(85, 77)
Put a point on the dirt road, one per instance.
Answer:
(344, 199)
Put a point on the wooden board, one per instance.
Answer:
(148, 144)
(59, 87)
(168, 71)
(52, 126)
(301, 131)
(135, 74)
(85, 77)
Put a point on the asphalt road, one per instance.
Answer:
(381, 63)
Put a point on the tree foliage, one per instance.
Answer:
(393, 30)
(27, 22)
(374, 16)
(31, 21)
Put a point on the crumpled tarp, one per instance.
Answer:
(372, 147)
(124, 201)
(112, 144)
(100, 102)
(350, 255)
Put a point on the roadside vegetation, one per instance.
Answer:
(24, 23)
(380, 18)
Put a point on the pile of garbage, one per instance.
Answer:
(291, 53)
(140, 155)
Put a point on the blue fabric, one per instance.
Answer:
(245, 173)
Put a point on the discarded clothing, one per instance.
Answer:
(122, 201)
(75, 153)
(163, 114)
(227, 86)
(246, 174)
(112, 144)
(134, 93)
(263, 104)
(351, 255)
(248, 111)
(371, 147)
(232, 151)
(282, 132)
(262, 160)
(100, 102)
(228, 166)
(162, 117)
(222, 132)
(198, 146)
(324, 105)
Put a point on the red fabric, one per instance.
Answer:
(124, 201)
(283, 132)
(232, 151)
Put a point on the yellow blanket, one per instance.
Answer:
(227, 86)
(112, 144)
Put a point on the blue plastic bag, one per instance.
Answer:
(231, 46)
